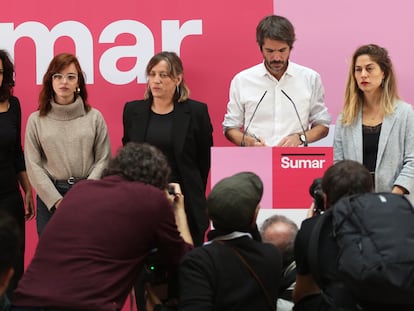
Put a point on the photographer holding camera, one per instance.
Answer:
(342, 179)
(95, 245)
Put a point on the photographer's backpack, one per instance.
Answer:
(375, 261)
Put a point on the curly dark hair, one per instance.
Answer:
(141, 162)
(6, 88)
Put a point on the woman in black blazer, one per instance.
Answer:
(180, 128)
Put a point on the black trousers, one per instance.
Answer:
(12, 203)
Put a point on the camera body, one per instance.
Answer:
(155, 272)
(163, 281)
(315, 190)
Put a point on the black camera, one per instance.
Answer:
(155, 272)
(159, 275)
(315, 190)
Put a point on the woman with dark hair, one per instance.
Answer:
(180, 127)
(12, 166)
(376, 126)
(66, 139)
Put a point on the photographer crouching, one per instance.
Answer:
(95, 245)
(342, 179)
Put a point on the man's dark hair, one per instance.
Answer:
(345, 178)
(275, 27)
(140, 162)
(9, 241)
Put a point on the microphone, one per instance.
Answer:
(305, 142)
(251, 118)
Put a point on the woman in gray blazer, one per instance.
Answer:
(376, 127)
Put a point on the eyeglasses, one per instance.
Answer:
(70, 77)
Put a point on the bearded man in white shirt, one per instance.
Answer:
(277, 102)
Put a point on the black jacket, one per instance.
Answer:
(192, 140)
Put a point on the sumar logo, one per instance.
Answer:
(288, 162)
(173, 32)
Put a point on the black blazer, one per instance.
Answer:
(192, 139)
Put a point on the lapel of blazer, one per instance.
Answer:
(387, 124)
(140, 118)
(181, 123)
(357, 138)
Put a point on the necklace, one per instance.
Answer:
(376, 116)
(372, 120)
(368, 114)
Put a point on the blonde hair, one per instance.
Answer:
(354, 97)
(175, 68)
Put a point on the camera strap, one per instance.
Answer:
(253, 273)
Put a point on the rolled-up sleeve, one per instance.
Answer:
(319, 112)
(234, 117)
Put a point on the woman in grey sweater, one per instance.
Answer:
(66, 139)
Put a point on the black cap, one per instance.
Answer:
(233, 200)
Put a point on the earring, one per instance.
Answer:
(178, 90)
(77, 90)
(382, 83)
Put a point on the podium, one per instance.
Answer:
(286, 172)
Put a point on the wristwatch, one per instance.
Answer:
(302, 138)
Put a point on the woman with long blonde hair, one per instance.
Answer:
(376, 127)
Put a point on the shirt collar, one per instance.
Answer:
(230, 236)
(290, 71)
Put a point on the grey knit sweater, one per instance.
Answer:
(67, 142)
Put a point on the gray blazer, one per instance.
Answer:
(395, 158)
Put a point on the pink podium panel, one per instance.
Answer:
(287, 173)
(226, 161)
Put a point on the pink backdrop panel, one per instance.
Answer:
(328, 32)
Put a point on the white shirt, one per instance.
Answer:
(275, 117)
